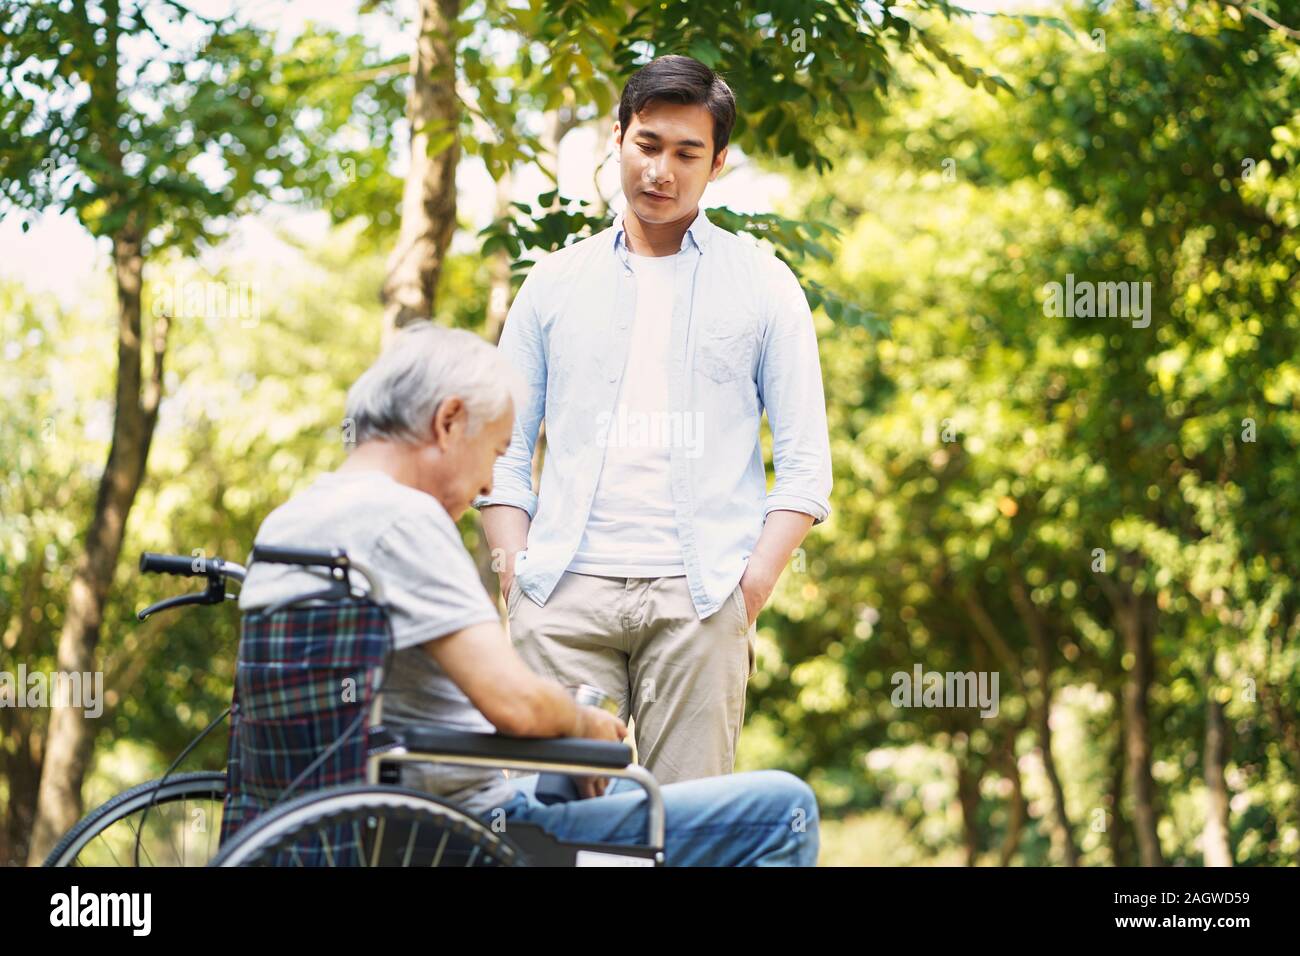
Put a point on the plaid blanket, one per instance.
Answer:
(304, 675)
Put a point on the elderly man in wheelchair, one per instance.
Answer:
(379, 700)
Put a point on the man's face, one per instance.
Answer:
(456, 467)
(666, 155)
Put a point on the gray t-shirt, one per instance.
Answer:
(409, 542)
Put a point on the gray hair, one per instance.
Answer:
(422, 367)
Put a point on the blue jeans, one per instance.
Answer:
(761, 818)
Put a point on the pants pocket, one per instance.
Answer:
(738, 597)
(512, 599)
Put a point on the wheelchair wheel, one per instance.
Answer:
(365, 825)
(182, 827)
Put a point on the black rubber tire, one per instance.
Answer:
(275, 832)
(182, 786)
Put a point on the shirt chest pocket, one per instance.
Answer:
(724, 349)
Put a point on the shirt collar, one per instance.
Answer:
(697, 232)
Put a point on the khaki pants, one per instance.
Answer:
(681, 680)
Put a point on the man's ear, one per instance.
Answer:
(718, 162)
(447, 417)
(618, 141)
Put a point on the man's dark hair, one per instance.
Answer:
(681, 79)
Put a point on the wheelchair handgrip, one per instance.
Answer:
(189, 567)
(309, 557)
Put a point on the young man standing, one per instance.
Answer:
(651, 350)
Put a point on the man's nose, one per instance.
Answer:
(656, 171)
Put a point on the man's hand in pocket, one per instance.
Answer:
(756, 586)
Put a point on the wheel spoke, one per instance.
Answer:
(356, 836)
(107, 843)
(139, 839)
(207, 842)
(442, 844)
(410, 845)
(171, 837)
(379, 841)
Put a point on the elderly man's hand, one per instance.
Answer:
(597, 724)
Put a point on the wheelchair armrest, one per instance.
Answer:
(444, 742)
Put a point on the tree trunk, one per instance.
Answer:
(1137, 729)
(1119, 832)
(20, 738)
(1217, 846)
(1062, 832)
(499, 272)
(1277, 697)
(70, 740)
(1280, 716)
(429, 193)
(968, 796)
(1018, 810)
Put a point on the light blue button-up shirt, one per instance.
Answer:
(741, 342)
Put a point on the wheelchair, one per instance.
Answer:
(292, 731)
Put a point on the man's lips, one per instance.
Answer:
(654, 195)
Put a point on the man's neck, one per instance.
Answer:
(392, 458)
(655, 238)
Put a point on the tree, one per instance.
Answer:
(797, 71)
(1105, 501)
(155, 126)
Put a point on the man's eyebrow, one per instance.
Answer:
(652, 135)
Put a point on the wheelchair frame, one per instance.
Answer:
(439, 745)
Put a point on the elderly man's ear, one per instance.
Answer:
(450, 415)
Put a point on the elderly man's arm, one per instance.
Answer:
(481, 661)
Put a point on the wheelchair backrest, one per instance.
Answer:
(305, 675)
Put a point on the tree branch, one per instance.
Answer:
(153, 388)
(1262, 17)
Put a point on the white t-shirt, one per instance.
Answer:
(632, 529)
(432, 587)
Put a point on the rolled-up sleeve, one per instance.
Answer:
(523, 346)
(790, 381)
